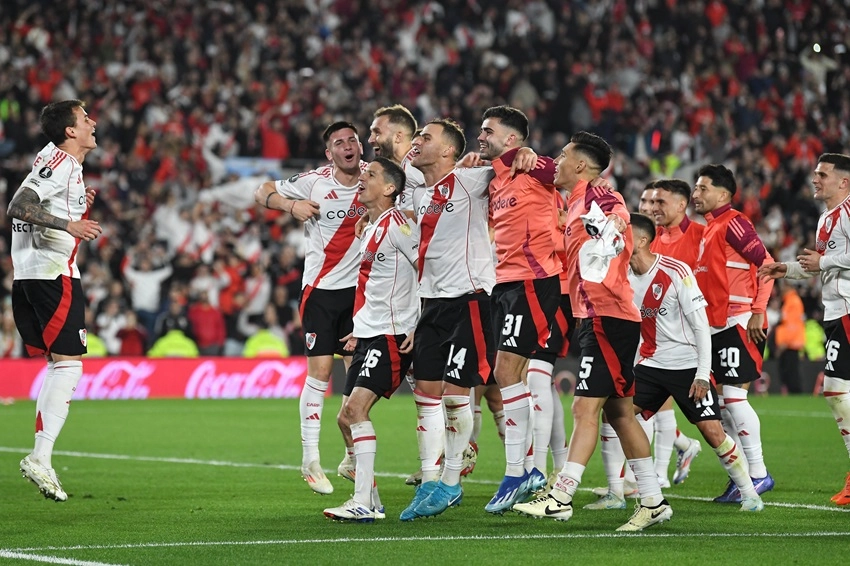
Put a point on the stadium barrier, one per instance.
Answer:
(254, 378)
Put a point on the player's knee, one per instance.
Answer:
(713, 432)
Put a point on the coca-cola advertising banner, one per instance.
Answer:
(186, 378)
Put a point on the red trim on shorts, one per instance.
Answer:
(563, 326)
(611, 360)
(60, 315)
(395, 363)
(757, 357)
(537, 316)
(34, 351)
(480, 342)
(845, 322)
(832, 393)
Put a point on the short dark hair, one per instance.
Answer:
(57, 116)
(335, 127)
(838, 160)
(675, 186)
(720, 175)
(511, 117)
(594, 147)
(643, 223)
(650, 185)
(393, 174)
(454, 133)
(400, 116)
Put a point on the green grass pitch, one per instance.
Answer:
(217, 482)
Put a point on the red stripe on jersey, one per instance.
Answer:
(428, 221)
(757, 357)
(829, 223)
(480, 342)
(395, 363)
(537, 315)
(60, 315)
(675, 265)
(535, 266)
(367, 261)
(649, 307)
(340, 243)
(611, 360)
(57, 159)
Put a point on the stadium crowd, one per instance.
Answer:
(177, 87)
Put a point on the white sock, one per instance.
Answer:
(310, 405)
(665, 436)
(558, 438)
(648, 426)
(52, 406)
(458, 428)
(568, 481)
(736, 466)
(837, 394)
(349, 453)
(499, 419)
(749, 428)
(430, 433)
(517, 410)
(650, 491)
(726, 417)
(682, 441)
(476, 423)
(528, 461)
(612, 458)
(540, 385)
(365, 447)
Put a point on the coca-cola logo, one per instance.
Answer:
(267, 379)
(121, 379)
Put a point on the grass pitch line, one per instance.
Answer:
(460, 538)
(50, 559)
(285, 467)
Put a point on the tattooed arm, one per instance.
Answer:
(26, 206)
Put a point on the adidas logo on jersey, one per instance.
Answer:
(707, 412)
(582, 386)
(732, 373)
(331, 196)
(510, 342)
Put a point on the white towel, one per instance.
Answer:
(606, 242)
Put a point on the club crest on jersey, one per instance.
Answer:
(444, 190)
(828, 224)
(656, 290)
(310, 340)
(379, 231)
(701, 249)
(45, 172)
(83, 336)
